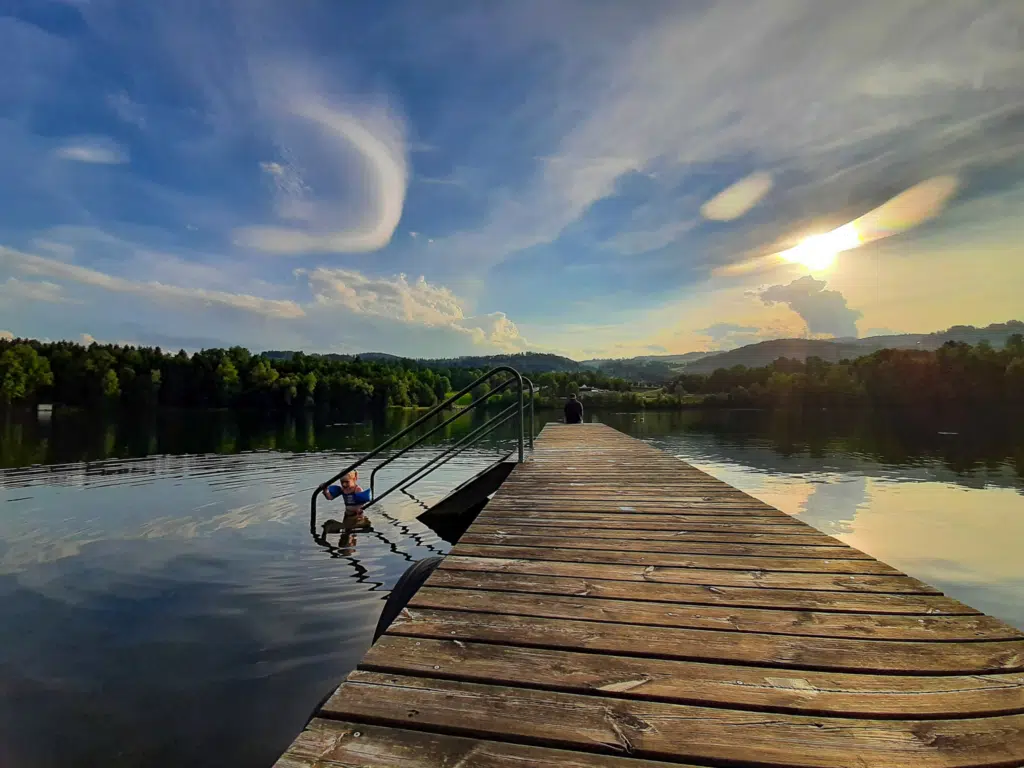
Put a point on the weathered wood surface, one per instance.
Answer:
(615, 607)
(761, 578)
(340, 744)
(636, 536)
(770, 620)
(681, 546)
(674, 731)
(702, 683)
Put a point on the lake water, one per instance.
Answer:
(163, 602)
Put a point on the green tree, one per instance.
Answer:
(111, 385)
(228, 380)
(13, 381)
(309, 383)
(288, 386)
(23, 373)
(1015, 381)
(1015, 344)
(423, 394)
(263, 375)
(442, 386)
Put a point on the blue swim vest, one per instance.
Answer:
(351, 499)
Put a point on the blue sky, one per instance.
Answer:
(592, 178)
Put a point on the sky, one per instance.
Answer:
(590, 178)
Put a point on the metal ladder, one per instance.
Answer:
(516, 412)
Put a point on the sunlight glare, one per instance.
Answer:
(819, 252)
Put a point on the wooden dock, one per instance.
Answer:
(615, 607)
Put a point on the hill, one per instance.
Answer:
(663, 368)
(834, 350)
(525, 362)
(767, 352)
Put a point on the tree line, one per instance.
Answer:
(955, 374)
(104, 374)
(146, 377)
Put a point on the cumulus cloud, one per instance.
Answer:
(6, 336)
(824, 311)
(415, 302)
(32, 264)
(97, 150)
(496, 329)
(406, 312)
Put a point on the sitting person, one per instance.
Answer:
(355, 497)
(573, 410)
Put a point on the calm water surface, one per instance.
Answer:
(163, 602)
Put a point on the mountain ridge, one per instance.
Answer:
(661, 368)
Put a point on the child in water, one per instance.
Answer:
(354, 496)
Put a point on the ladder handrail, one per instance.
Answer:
(516, 378)
(532, 430)
(437, 427)
(454, 450)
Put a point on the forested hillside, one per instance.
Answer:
(72, 374)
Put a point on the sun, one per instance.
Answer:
(819, 252)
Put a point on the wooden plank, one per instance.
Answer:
(788, 599)
(688, 494)
(679, 546)
(707, 577)
(340, 744)
(652, 522)
(783, 541)
(615, 506)
(770, 566)
(766, 620)
(730, 534)
(637, 507)
(676, 523)
(677, 732)
(830, 654)
(662, 488)
(703, 684)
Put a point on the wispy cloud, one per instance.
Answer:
(786, 86)
(738, 198)
(724, 336)
(31, 290)
(127, 109)
(368, 153)
(363, 304)
(570, 177)
(39, 265)
(95, 150)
